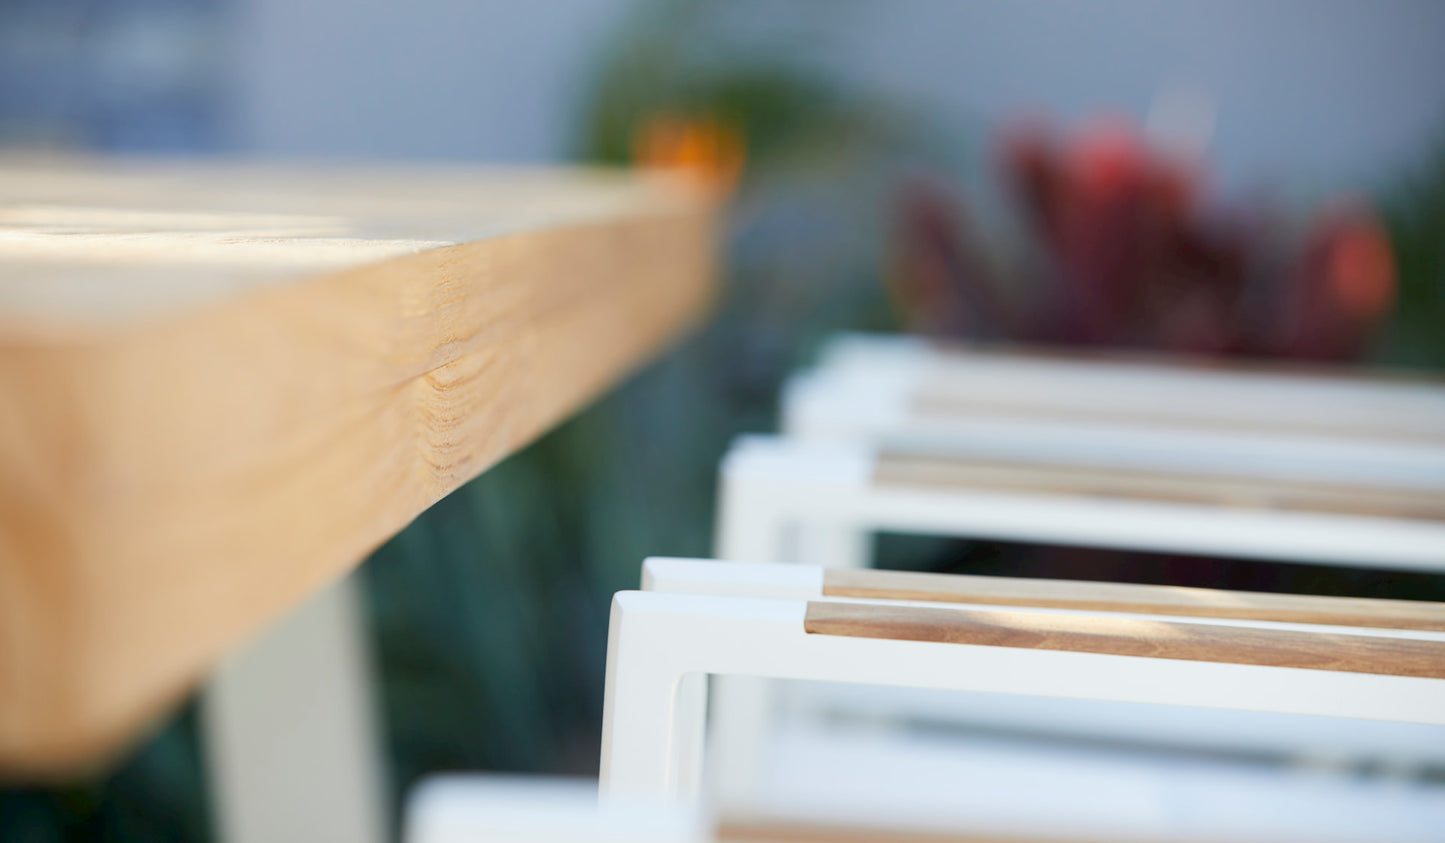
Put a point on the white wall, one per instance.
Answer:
(1309, 92)
(1322, 91)
(474, 79)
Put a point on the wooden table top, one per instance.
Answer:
(222, 385)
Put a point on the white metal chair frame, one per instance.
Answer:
(834, 492)
(786, 628)
(905, 395)
(816, 501)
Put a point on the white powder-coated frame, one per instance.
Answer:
(499, 808)
(652, 721)
(815, 502)
(906, 395)
(771, 485)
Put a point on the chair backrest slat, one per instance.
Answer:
(1079, 633)
(1134, 599)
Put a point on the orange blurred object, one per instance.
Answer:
(709, 150)
(1363, 269)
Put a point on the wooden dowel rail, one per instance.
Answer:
(1131, 637)
(905, 470)
(1134, 599)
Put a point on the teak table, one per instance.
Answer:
(223, 384)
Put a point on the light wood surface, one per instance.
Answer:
(1097, 385)
(1131, 637)
(1134, 599)
(901, 470)
(221, 386)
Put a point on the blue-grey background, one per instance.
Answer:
(1320, 92)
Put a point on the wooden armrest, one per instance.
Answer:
(1134, 599)
(1131, 637)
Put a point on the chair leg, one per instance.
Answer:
(290, 735)
(652, 720)
(833, 544)
(754, 525)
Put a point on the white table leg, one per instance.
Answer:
(290, 735)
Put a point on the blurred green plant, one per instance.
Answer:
(157, 795)
(1414, 210)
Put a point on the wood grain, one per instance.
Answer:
(221, 387)
(1131, 637)
(1135, 599)
(1098, 385)
(902, 471)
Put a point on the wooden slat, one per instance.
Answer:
(937, 404)
(1134, 599)
(902, 471)
(222, 386)
(1131, 637)
(1092, 385)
